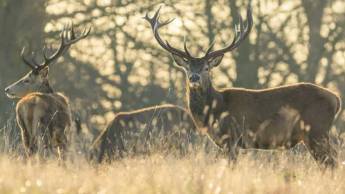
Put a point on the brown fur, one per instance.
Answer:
(43, 119)
(43, 115)
(275, 117)
(165, 128)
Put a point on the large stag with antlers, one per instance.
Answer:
(43, 115)
(267, 118)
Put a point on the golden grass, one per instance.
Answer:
(256, 172)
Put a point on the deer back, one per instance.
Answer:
(39, 111)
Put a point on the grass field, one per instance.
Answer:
(293, 171)
(254, 172)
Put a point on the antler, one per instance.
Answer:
(68, 37)
(155, 25)
(241, 33)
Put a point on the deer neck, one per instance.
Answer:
(45, 88)
(200, 103)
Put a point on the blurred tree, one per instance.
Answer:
(123, 76)
(270, 57)
(22, 24)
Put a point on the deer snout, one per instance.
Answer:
(9, 93)
(194, 78)
(7, 90)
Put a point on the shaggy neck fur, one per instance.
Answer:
(200, 101)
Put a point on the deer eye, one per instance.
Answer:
(206, 68)
(26, 81)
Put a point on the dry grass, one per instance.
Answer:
(255, 172)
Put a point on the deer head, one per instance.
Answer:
(37, 79)
(198, 68)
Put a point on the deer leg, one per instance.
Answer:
(28, 147)
(43, 137)
(61, 154)
(232, 145)
(233, 152)
(102, 150)
(43, 146)
(119, 142)
(61, 151)
(229, 136)
(318, 136)
(59, 141)
(111, 146)
(322, 151)
(25, 135)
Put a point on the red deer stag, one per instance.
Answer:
(166, 128)
(269, 118)
(44, 116)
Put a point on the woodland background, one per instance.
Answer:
(120, 67)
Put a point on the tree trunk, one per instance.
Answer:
(21, 21)
(314, 10)
(246, 70)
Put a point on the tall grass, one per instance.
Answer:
(292, 171)
(281, 172)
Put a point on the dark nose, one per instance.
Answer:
(6, 90)
(194, 78)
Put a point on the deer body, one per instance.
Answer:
(312, 110)
(267, 118)
(43, 115)
(164, 128)
(44, 119)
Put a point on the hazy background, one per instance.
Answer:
(120, 67)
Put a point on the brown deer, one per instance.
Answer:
(43, 115)
(267, 118)
(166, 128)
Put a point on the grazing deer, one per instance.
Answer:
(268, 118)
(43, 115)
(165, 128)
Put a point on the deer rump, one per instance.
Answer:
(44, 120)
(166, 129)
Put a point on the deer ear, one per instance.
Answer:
(44, 72)
(180, 61)
(215, 61)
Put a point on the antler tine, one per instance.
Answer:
(72, 31)
(73, 38)
(240, 35)
(155, 25)
(185, 47)
(244, 32)
(44, 51)
(240, 29)
(68, 37)
(210, 48)
(86, 32)
(26, 61)
(154, 21)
